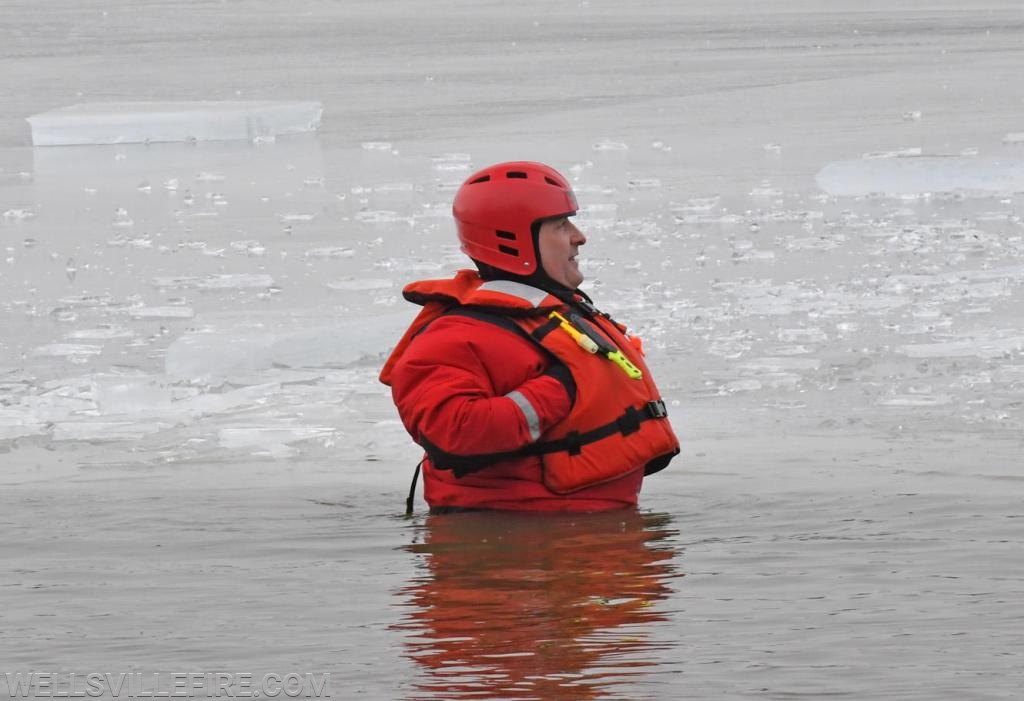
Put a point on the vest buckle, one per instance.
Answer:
(656, 409)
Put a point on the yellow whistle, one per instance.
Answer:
(591, 345)
(582, 340)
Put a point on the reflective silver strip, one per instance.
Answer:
(515, 289)
(532, 420)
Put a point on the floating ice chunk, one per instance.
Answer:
(790, 363)
(598, 208)
(747, 385)
(924, 174)
(101, 333)
(274, 441)
(330, 252)
(912, 116)
(1014, 137)
(818, 243)
(447, 162)
(995, 347)
(786, 404)
(376, 145)
(790, 350)
(1009, 374)
(898, 153)
(87, 301)
(697, 204)
(765, 189)
(381, 216)
(791, 215)
(296, 217)
(361, 284)
(104, 431)
(162, 313)
(219, 354)
(451, 166)
(203, 213)
(606, 145)
(917, 400)
(237, 281)
(394, 187)
(809, 335)
(435, 211)
(644, 183)
(452, 158)
(409, 266)
(780, 380)
(19, 214)
(130, 395)
(15, 423)
(207, 403)
(746, 255)
(137, 122)
(249, 246)
(121, 218)
(926, 312)
(69, 350)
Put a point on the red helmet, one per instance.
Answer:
(496, 207)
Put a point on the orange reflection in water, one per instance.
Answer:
(535, 606)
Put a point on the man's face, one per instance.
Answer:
(558, 243)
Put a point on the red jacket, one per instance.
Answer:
(464, 385)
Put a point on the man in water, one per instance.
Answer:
(523, 395)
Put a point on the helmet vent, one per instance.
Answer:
(508, 249)
(507, 235)
(481, 179)
(516, 174)
(552, 181)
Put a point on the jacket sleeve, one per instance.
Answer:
(465, 391)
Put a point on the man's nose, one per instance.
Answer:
(578, 238)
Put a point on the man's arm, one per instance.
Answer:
(465, 390)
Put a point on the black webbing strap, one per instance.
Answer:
(501, 320)
(572, 443)
(626, 424)
(544, 329)
(412, 490)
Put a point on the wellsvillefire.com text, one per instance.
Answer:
(149, 685)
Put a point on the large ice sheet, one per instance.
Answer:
(217, 354)
(137, 122)
(915, 175)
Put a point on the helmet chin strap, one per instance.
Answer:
(538, 278)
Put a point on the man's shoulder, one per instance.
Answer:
(474, 320)
(466, 329)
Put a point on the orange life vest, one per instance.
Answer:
(617, 424)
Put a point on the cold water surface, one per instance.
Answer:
(200, 472)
